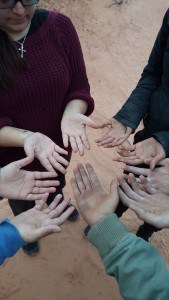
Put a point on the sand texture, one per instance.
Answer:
(116, 42)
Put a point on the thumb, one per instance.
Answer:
(95, 125)
(44, 231)
(154, 161)
(24, 162)
(114, 191)
(28, 150)
(127, 146)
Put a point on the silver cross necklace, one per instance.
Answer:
(21, 49)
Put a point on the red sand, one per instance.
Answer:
(116, 43)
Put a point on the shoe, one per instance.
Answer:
(145, 233)
(31, 249)
(86, 230)
(74, 215)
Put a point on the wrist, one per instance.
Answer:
(76, 107)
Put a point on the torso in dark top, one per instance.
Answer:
(55, 75)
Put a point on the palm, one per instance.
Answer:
(74, 125)
(92, 201)
(74, 132)
(96, 205)
(46, 151)
(38, 222)
(19, 184)
(115, 136)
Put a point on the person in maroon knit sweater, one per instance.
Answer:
(44, 92)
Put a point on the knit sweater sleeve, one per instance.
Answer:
(10, 240)
(137, 105)
(139, 269)
(79, 86)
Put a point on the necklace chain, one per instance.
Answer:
(21, 49)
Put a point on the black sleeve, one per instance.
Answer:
(136, 107)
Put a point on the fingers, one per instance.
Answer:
(92, 175)
(150, 188)
(64, 216)
(46, 164)
(136, 171)
(40, 204)
(85, 141)
(75, 189)
(46, 183)
(124, 198)
(95, 125)
(80, 146)
(82, 179)
(65, 140)
(129, 161)
(155, 160)
(37, 190)
(55, 164)
(60, 150)
(128, 191)
(60, 159)
(136, 186)
(114, 191)
(127, 146)
(43, 175)
(59, 210)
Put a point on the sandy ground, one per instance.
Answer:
(116, 42)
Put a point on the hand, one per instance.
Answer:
(92, 201)
(148, 151)
(73, 128)
(46, 151)
(38, 222)
(155, 181)
(153, 209)
(115, 136)
(25, 185)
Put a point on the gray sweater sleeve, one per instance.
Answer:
(137, 266)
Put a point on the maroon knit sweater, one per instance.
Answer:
(56, 75)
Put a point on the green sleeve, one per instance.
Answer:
(137, 266)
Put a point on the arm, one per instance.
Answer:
(163, 138)
(10, 240)
(136, 107)
(136, 264)
(32, 225)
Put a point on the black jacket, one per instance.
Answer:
(150, 99)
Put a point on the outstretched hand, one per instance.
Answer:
(153, 209)
(19, 184)
(115, 136)
(148, 151)
(93, 202)
(38, 222)
(73, 128)
(46, 151)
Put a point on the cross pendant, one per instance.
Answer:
(22, 50)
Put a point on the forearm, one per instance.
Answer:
(76, 106)
(10, 240)
(137, 105)
(13, 137)
(136, 264)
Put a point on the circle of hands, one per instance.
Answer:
(140, 194)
